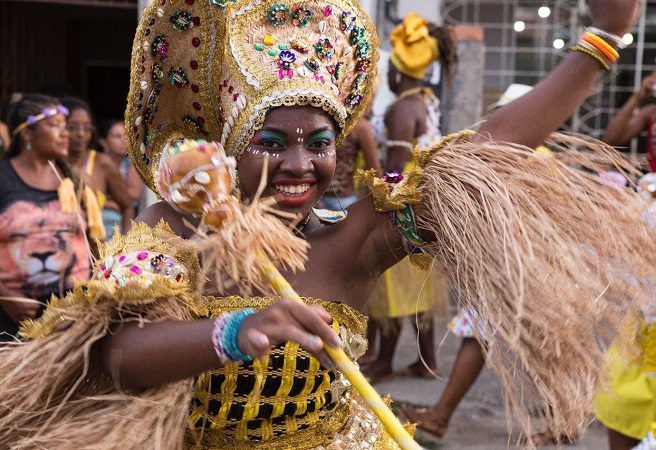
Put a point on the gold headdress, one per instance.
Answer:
(212, 70)
(413, 48)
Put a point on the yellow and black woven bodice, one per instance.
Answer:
(275, 398)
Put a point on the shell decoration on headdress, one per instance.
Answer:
(207, 69)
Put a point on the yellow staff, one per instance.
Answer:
(355, 377)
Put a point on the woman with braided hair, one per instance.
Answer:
(142, 357)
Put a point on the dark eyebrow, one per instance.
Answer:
(273, 130)
(284, 133)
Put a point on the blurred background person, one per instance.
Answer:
(43, 247)
(358, 150)
(96, 170)
(413, 119)
(638, 114)
(112, 141)
(5, 138)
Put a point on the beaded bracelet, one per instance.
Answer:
(596, 55)
(217, 335)
(224, 336)
(230, 332)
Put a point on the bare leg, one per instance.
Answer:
(618, 441)
(426, 338)
(468, 365)
(381, 368)
(372, 333)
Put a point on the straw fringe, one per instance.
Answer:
(55, 395)
(544, 251)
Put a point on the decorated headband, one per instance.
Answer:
(206, 69)
(47, 112)
(413, 48)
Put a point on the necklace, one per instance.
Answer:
(300, 227)
(410, 92)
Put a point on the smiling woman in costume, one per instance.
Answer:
(284, 82)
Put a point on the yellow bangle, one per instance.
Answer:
(595, 55)
(601, 44)
(588, 46)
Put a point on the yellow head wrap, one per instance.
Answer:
(413, 49)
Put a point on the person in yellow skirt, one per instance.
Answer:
(412, 120)
(626, 403)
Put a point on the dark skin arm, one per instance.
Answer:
(366, 142)
(158, 353)
(116, 188)
(402, 122)
(625, 124)
(532, 117)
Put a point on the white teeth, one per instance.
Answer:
(288, 189)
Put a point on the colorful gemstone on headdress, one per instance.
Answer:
(313, 64)
(324, 49)
(347, 22)
(269, 40)
(353, 100)
(178, 77)
(327, 11)
(357, 35)
(286, 62)
(302, 16)
(259, 47)
(362, 50)
(362, 64)
(222, 3)
(360, 82)
(160, 45)
(301, 43)
(157, 73)
(182, 20)
(193, 64)
(278, 15)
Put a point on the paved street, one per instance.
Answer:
(480, 422)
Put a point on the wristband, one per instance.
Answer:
(225, 333)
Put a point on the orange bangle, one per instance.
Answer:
(602, 42)
(599, 55)
(602, 45)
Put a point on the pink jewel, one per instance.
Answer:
(102, 267)
(235, 97)
(201, 148)
(327, 11)
(142, 255)
(121, 258)
(135, 270)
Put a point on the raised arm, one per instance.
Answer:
(628, 123)
(532, 117)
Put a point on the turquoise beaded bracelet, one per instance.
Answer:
(230, 332)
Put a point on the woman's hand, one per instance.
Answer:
(614, 16)
(287, 320)
(647, 87)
